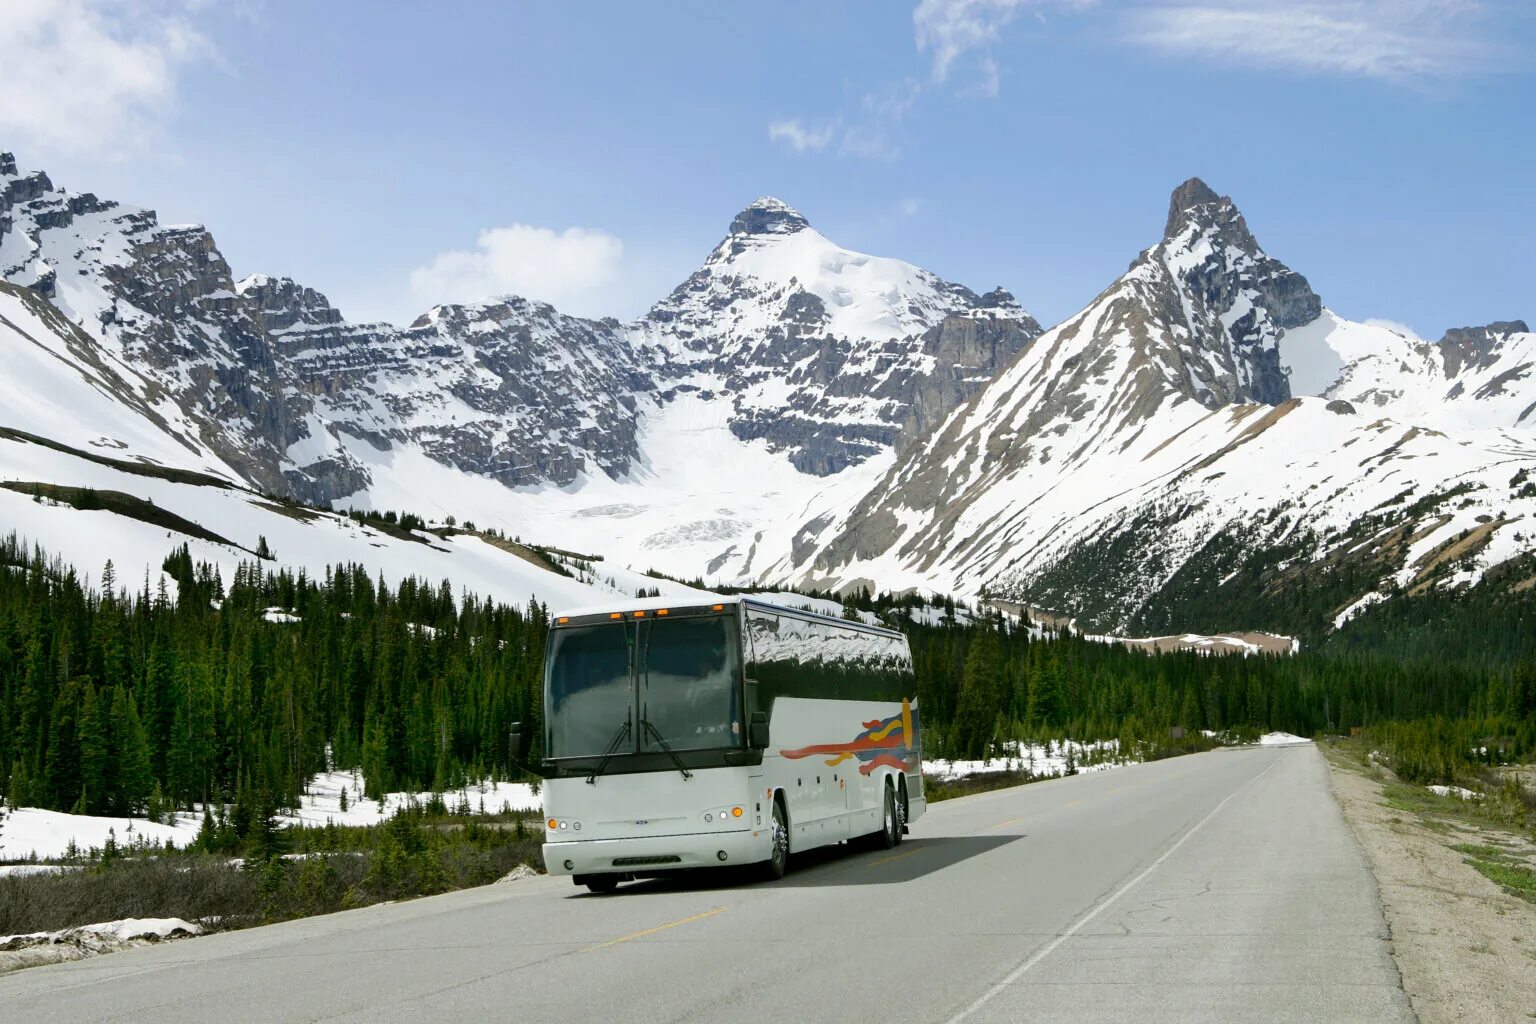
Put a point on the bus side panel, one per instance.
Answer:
(841, 702)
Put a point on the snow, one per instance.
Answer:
(1459, 792)
(321, 802)
(31, 832)
(108, 935)
(1281, 739)
(1314, 355)
(1039, 760)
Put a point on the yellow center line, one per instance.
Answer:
(1071, 803)
(652, 931)
(895, 856)
(1000, 824)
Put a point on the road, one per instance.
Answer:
(1218, 887)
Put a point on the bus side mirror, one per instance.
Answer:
(757, 730)
(520, 741)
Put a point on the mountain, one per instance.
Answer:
(1205, 441)
(828, 355)
(785, 367)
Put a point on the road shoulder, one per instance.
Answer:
(1466, 947)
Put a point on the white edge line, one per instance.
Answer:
(1050, 947)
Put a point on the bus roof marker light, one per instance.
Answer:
(639, 615)
(663, 611)
(562, 620)
(717, 607)
(615, 615)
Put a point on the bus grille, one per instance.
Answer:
(640, 862)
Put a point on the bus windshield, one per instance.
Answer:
(688, 685)
(683, 674)
(590, 687)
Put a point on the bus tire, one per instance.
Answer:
(602, 885)
(778, 856)
(889, 834)
(901, 811)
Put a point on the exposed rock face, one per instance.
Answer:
(1238, 301)
(1464, 347)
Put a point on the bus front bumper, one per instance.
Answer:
(644, 855)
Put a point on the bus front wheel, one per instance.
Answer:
(602, 885)
(778, 856)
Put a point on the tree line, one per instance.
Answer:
(117, 701)
(127, 699)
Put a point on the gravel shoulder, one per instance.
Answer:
(1466, 947)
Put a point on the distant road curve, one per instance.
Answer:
(1220, 887)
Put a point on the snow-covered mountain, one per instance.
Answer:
(829, 355)
(1204, 423)
(784, 368)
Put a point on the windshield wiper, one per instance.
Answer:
(613, 745)
(667, 747)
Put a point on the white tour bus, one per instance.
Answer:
(683, 735)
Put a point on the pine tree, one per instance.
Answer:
(135, 780)
(977, 708)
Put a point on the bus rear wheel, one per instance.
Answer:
(890, 829)
(778, 858)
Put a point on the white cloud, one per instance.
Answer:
(953, 29)
(574, 270)
(1390, 39)
(865, 130)
(82, 77)
(799, 138)
(1395, 326)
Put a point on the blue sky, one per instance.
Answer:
(393, 155)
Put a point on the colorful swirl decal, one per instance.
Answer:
(876, 747)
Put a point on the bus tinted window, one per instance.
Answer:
(589, 687)
(689, 689)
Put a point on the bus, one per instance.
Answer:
(732, 732)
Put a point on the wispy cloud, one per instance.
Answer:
(574, 270)
(866, 129)
(1387, 39)
(952, 31)
(801, 138)
(85, 77)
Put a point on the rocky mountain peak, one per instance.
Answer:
(1186, 199)
(768, 216)
(7, 163)
(1465, 347)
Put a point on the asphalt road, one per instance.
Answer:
(1219, 887)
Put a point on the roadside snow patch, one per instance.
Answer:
(1459, 792)
(1281, 739)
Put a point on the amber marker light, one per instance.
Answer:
(663, 611)
(562, 620)
(735, 812)
(717, 608)
(639, 615)
(615, 615)
(553, 824)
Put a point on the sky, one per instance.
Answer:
(591, 154)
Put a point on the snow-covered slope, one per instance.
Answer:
(1155, 438)
(793, 412)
